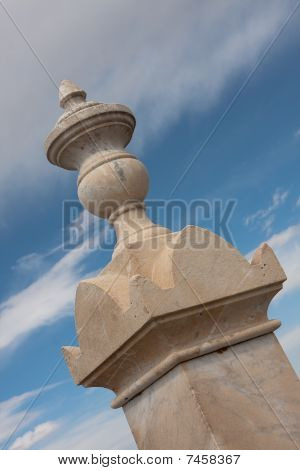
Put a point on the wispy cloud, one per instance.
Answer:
(29, 438)
(264, 218)
(202, 47)
(105, 430)
(12, 412)
(42, 302)
(286, 245)
(45, 300)
(84, 427)
(51, 295)
(28, 263)
(291, 339)
(297, 133)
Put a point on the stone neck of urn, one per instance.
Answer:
(91, 137)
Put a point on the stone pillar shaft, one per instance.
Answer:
(242, 397)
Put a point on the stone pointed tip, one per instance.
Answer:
(68, 90)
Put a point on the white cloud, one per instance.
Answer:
(290, 340)
(297, 133)
(44, 301)
(105, 430)
(286, 245)
(264, 218)
(78, 429)
(12, 412)
(161, 61)
(27, 263)
(29, 438)
(51, 295)
(267, 224)
(288, 237)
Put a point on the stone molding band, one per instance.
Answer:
(186, 354)
(127, 206)
(61, 138)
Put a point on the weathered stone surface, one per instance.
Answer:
(137, 323)
(244, 397)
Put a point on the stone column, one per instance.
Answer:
(176, 324)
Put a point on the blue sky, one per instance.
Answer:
(177, 66)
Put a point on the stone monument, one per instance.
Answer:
(176, 324)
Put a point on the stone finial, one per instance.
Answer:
(91, 137)
(70, 93)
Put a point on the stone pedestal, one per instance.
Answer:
(176, 324)
(242, 397)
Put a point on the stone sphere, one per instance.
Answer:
(113, 184)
